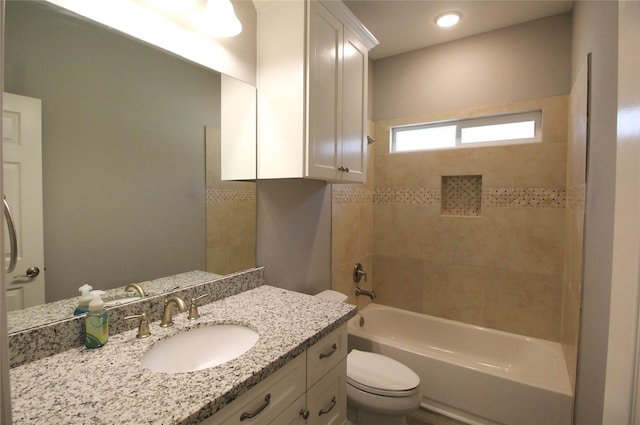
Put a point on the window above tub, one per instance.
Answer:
(506, 129)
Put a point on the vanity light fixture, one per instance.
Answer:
(174, 7)
(214, 18)
(448, 19)
(218, 19)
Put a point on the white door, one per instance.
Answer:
(22, 180)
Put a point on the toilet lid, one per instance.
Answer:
(379, 374)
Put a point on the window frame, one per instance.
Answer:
(534, 115)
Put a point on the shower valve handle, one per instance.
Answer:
(358, 273)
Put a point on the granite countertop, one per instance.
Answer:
(109, 385)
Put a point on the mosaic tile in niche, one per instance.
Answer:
(461, 195)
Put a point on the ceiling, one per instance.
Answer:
(405, 25)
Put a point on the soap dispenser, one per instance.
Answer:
(85, 299)
(96, 322)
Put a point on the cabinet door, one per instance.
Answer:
(354, 107)
(327, 400)
(324, 113)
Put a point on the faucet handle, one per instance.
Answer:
(358, 273)
(143, 328)
(193, 310)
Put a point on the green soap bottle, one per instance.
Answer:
(96, 322)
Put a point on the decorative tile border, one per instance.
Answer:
(215, 196)
(491, 197)
(351, 194)
(407, 196)
(524, 197)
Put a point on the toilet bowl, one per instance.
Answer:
(380, 390)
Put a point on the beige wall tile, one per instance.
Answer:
(495, 163)
(540, 164)
(444, 163)
(554, 118)
(345, 232)
(527, 303)
(454, 292)
(380, 172)
(398, 282)
(365, 232)
(400, 230)
(407, 169)
(518, 239)
(381, 131)
(573, 253)
(231, 244)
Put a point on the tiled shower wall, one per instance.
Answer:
(352, 232)
(502, 267)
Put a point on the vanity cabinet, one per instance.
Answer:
(312, 91)
(325, 401)
(265, 401)
(309, 390)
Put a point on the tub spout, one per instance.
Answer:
(370, 294)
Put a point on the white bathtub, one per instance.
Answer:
(474, 374)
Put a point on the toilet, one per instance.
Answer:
(380, 390)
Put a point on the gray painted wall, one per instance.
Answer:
(294, 233)
(526, 61)
(123, 150)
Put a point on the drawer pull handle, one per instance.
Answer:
(304, 413)
(334, 348)
(246, 415)
(328, 409)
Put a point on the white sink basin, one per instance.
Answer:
(200, 348)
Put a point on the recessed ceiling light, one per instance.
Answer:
(448, 19)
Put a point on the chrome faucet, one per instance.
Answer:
(370, 294)
(136, 288)
(167, 319)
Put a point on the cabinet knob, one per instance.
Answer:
(304, 413)
(345, 169)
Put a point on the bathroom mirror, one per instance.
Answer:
(125, 192)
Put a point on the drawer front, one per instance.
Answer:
(325, 354)
(327, 399)
(267, 400)
(294, 414)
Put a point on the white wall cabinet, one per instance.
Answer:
(312, 91)
(309, 390)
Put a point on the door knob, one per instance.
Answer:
(30, 273)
